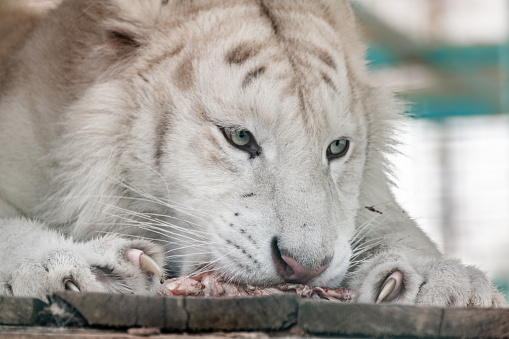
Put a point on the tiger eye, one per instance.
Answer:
(338, 148)
(242, 139)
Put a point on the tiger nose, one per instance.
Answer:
(292, 271)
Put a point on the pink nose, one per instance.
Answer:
(292, 271)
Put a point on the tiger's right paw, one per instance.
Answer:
(108, 264)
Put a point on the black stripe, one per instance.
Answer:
(161, 132)
(329, 81)
(266, 12)
(252, 75)
(327, 59)
(242, 53)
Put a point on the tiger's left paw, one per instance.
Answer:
(392, 277)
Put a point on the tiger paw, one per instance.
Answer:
(392, 277)
(108, 264)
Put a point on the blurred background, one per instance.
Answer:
(450, 60)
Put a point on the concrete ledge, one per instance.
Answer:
(19, 311)
(267, 314)
(124, 310)
(475, 322)
(321, 317)
(179, 314)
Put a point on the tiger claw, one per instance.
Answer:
(386, 290)
(145, 262)
(71, 286)
(391, 287)
(148, 264)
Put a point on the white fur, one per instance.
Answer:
(119, 134)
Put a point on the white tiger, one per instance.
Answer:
(243, 137)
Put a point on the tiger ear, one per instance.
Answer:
(128, 22)
(146, 11)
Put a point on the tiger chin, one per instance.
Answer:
(240, 137)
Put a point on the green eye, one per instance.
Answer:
(338, 148)
(240, 138)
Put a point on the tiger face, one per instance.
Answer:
(260, 141)
(239, 136)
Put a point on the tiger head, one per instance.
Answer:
(244, 135)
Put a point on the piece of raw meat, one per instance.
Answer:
(211, 285)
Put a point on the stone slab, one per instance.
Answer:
(117, 310)
(265, 313)
(321, 317)
(19, 311)
(270, 314)
(328, 318)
